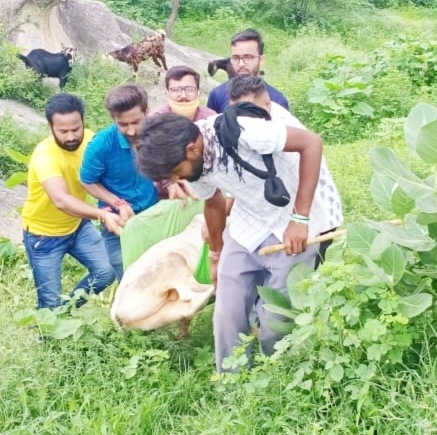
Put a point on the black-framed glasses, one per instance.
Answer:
(246, 58)
(189, 90)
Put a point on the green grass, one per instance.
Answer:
(105, 381)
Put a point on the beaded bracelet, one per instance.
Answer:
(299, 218)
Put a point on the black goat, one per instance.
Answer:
(46, 64)
(224, 64)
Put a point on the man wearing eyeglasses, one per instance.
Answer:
(183, 94)
(247, 48)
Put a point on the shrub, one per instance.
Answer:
(18, 83)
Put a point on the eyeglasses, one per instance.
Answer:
(189, 90)
(246, 58)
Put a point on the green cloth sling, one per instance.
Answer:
(161, 221)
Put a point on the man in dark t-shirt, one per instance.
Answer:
(247, 48)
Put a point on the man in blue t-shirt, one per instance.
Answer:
(247, 48)
(108, 170)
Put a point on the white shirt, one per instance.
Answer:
(253, 219)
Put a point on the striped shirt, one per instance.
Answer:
(253, 219)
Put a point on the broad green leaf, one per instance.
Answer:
(17, 156)
(24, 317)
(381, 189)
(336, 373)
(419, 116)
(413, 305)
(386, 162)
(426, 145)
(15, 179)
(401, 203)
(288, 313)
(360, 238)
(363, 109)
(429, 258)
(303, 319)
(7, 248)
(381, 242)
(393, 263)
(412, 239)
(65, 327)
(45, 317)
(429, 271)
(334, 253)
(427, 218)
(274, 297)
(376, 351)
(378, 273)
(299, 298)
(373, 329)
(281, 327)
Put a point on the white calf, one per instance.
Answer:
(159, 288)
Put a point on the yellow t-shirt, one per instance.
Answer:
(40, 216)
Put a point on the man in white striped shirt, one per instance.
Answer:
(174, 148)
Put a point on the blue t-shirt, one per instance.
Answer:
(110, 161)
(218, 98)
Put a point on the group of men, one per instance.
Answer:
(245, 144)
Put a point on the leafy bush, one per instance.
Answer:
(416, 57)
(19, 83)
(17, 139)
(367, 308)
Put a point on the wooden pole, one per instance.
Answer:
(319, 239)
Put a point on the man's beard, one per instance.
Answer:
(72, 145)
(197, 171)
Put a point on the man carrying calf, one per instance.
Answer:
(232, 153)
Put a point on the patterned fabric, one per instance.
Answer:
(253, 219)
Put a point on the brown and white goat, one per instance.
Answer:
(151, 47)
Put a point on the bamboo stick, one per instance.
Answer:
(319, 239)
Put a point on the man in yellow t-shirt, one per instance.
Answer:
(56, 218)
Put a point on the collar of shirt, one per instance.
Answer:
(124, 143)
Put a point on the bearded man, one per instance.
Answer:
(56, 218)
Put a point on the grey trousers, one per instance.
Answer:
(239, 273)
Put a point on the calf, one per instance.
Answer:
(46, 64)
(159, 288)
(150, 47)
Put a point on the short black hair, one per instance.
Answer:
(125, 97)
(241, 86)
(162, 144)
(63, 103)
(179, 72)
(249, 35)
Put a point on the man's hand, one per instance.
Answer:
(295, 238)
(125, 212)
(181, 189)
(112, 221)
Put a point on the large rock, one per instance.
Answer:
(90, 27)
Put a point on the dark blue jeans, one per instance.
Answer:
(45, 255)
(113, 248)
